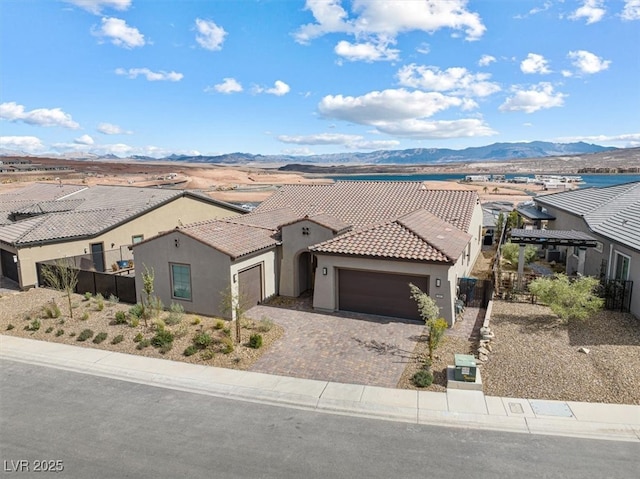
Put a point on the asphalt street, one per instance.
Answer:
(98, 428)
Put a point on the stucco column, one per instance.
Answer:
(582, 253)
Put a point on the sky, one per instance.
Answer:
(296, 77)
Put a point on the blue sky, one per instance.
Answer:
(144, 77)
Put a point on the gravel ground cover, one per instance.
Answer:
(534, 355)
(24, 314)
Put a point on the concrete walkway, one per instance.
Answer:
(345, 348)
(459, 408)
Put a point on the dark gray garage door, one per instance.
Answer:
(250, 286)
(379, 293)
(9, 267)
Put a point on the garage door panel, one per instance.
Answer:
(250, 285)
(384, 294)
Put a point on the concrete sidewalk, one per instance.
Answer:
(458, 408)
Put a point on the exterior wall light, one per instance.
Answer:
(438, 282)
(324, 271)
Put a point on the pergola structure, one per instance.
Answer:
(553, 238)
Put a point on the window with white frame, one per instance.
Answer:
(135, 239)
(181, 281)
(621, 264)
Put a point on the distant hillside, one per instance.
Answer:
(424, 156)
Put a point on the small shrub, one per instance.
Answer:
(87, 296)
(139, 337)
(113, 299)
(61, 321)
(72, 334)
(52, 310)
(227, 346)
(265, 325)
(59, 332)
(145, 343)
(85, 316)
(136, 310)
(227, 332)
(34, 325)
(162, 338)
(176, 312)
(422, 378)
(49, 329)
(219, 324)
(195, 321)
(100, 337)
(190, 350)
(207, 355)
(118, 339)
(135, 321)
(159, 324)
(121, 317)
(181, 331)
(202, 340)
(165, 348)
(85, 334)
(10, 327)
(255, 341)
(99, 303)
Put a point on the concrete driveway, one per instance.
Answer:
(347, 348)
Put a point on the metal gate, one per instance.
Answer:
(617, 294)
(475, 293)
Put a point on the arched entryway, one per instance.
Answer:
(306, 272)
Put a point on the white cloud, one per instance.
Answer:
(210, 36)
(228, 86)
(297, 151)
(380, 22)
(424, 130)
(385, 106)
(631, 10)
(11, 111)
(150, 75)
(535, 63)
(23, 143)
(96, 6)
(456, 80)
(591, 10)
(627, 140)
(119, 33)
(367, 51)
(111, 129)
(538, 97)
(84, 140)
(348, 141)
(424, 48)
(486, 60)
(279, 88)
(588, 63)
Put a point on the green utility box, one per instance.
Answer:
(465, 365)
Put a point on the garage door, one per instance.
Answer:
(9, 267)
(250, 286)
(379, 293)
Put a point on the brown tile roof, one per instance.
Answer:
(270, 219)
(419, 236)
(322, 219)
(363, 203)
(231, 238)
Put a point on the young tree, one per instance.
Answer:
(235, 305)
(63, 276)
(429, 312)
(511, 252)
(148, 278)
(568, 299)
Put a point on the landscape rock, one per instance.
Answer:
(484, 351)
(584, 350)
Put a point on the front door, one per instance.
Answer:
(97, 256)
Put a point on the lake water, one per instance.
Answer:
(588, 180)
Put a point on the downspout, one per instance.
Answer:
(609, 263)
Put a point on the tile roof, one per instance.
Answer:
(270, 219)
(322, 219)
(613, 212)
(363, 203)
(80, 212)
(231, 238)
(419, 236)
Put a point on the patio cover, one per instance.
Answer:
(553, 237)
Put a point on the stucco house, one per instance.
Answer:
(355, 245)
(612, 216)
(46, 221)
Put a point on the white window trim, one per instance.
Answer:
(615, 264)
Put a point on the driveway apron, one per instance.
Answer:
(347, 348)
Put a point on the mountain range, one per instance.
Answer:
(414, 156)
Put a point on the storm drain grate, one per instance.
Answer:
(545, 408)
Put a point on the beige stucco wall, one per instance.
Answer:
(293, 244)
(186, 210)
(212, 272)
(325, 295)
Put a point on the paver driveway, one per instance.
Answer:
(348, 348)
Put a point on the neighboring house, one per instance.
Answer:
(612, 216)
(48, 221)
(356, 245)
